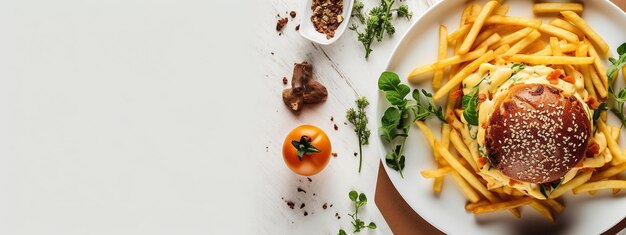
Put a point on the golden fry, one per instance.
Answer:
(439, 172)
(442, 54)
(459, 33)
(519, 46)
(458, 78)
(543, 210)
(462, 149)
(494, 38)
(532, 59)
(502, 205)
(563, 24)
(465, 188)
(583, 26)
(514, 37)
(612, 144)
(554, 205)
(501, 10)
(609, 172)
(471, 206)
(555, 47)
(597, 63)
(604, 184)
(513, 20)
(414, 76)
(478, 24)
(558, 32)
(438, 185)
(580, 179)
(597, 83)
(553, 7)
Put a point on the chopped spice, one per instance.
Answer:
(297, 27)
(302, 206)
(355, 154)
(327, 16)
(333, 154)
(324, 206)
(284, 80)
(292, 14)
(306, 213)
(337, 215)
(301, 190)
(332, 118)
(281, 23)
(335, 126)
(290, 204)
(310, 180)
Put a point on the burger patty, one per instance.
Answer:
(537, 134)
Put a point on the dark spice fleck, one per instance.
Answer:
(333, 154)
(332, 118)
(301, 190)
(272, 53)
(335, 126)
(331, 205)
(281, 23)
(313, 194)
(309, 178)
(292, 14)
(355, 154)
(302, 206)
(337, 215)
(324, 206)
(285, 80)
(306, 213)
(291, 204)
(297, 27)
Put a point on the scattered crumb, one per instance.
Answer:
(332, 118)
(355, 154)
(267, 148)
(337, 215)
(281, 23)
(309, 178)
(345, 124)
(306, 213)
(301, 190)
(272, 53)
(324, 206)
(335, 126)
(313, 194)
(285, 80)
(292, 14)
(297, 27)
(333, 154)
(290, 204)
(331, 205)
(302, 206)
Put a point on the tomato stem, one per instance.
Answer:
(304, 146)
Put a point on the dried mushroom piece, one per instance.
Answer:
(304, 90)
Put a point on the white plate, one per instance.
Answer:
(583, 214)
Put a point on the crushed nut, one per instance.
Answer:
(327, 16)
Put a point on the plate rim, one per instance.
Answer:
(436, 6)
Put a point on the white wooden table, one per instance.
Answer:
(342, 68)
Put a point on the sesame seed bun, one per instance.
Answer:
(536, 133)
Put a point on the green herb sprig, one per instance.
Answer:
(359, 200)
(397, 119)
(377, 22)
(616, 100)
(358, 119)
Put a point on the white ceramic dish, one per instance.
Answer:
(583, 214)
(308, 31)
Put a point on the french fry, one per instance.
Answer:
(597, 83)
(580, 179)
(533, 59)
(501, 10)
(612, 144)
(438, 185)
(458, 78)
(536, 46)
(494, 38)
(547, 51)
(439, 172)
(459, 33)
(563, 24)
(585, 28)
(543, 210)
(442, 54)
(514, 37)
(543, 8)
(581, 51)
(502, 205)
(555, 47)
(554, 205)
(519, 46)
(476, 26)
(462, 149)
(604, 184)
(466, 174)
(558, 32)
(470, 206)
(609, 172)
(513, 20)
(465, 188)
(597, 63)
(414, 76)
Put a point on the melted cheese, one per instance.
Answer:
(494, 81)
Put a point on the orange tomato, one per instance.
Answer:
(312, 162)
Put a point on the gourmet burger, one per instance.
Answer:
(530, 127)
